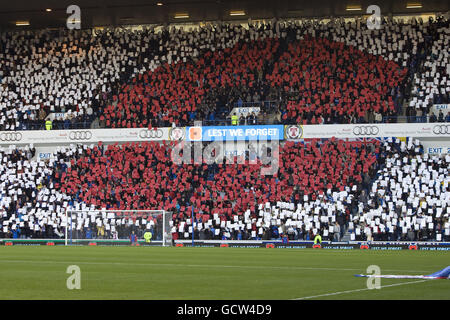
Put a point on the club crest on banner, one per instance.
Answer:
(176, 134)
(293, 132)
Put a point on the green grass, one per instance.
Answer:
(39, 272)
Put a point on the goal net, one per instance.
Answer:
(117, 226)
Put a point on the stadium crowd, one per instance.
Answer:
(432, 82)
(313, 72)
(136, 176)
(374, 190)
(410, 199)
(308, 72)
(30, 205)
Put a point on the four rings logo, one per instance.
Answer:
(441, 129)
(11, 136)
(80, 135)
(365, 130)
(151, 134)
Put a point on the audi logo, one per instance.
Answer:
(365, 130)
(11, 136)
(441, 129)
(80, 135)
(151, 134)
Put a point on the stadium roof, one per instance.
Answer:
(52, 13)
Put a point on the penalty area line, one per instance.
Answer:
(356, 290)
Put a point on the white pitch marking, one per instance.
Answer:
(356, 290)
(199, 265)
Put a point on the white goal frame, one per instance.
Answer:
(70, 211)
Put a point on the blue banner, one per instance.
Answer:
(236, 133)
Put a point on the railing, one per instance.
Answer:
(84, 122)
(253, 104)
(405, 119)
(56, 126)
(227, 122)
(264, 105)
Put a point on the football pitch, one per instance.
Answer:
(170, 273)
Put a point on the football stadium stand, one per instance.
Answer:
(286, 72)
(373, 190)
(311, 72)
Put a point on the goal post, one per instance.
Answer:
(117, 226)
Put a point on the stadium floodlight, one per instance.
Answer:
(181, 15)
(353, 8)
(22, 23)
(115, 226)
(237, 13)
(414, 5)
